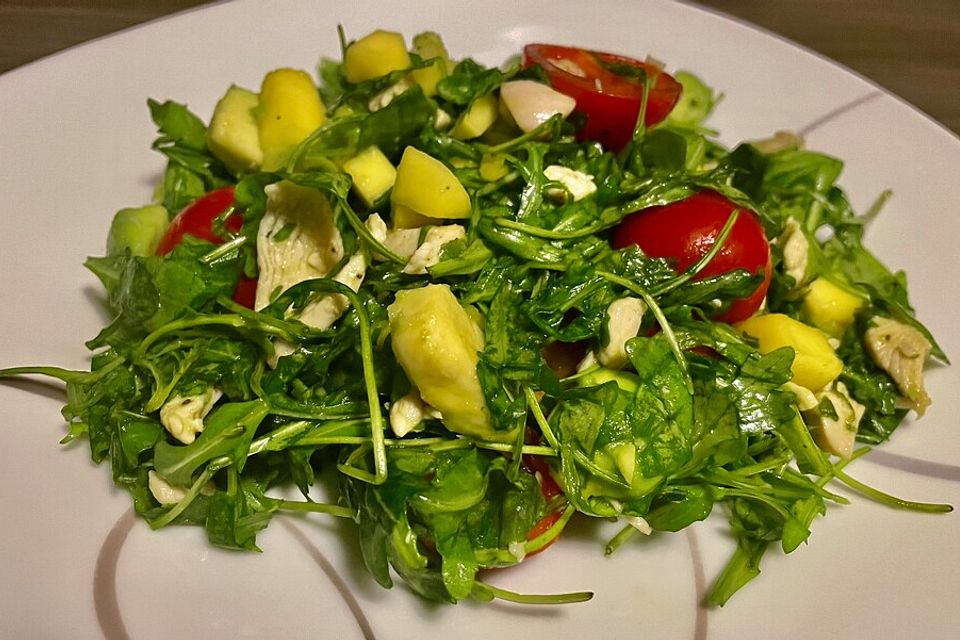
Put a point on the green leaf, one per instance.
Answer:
(228, 431)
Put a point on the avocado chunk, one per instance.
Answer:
(477, 119)
(695, 103)
(233, 135)
(372, 174)
(437, 344)
(137, 229)
(428, 45)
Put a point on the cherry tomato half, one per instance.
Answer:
(196, 219)
(549, 489)
(686, 230)
(608, 89)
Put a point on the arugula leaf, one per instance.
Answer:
(149, 292)
(467, 81)
(441, 516)
(228, 431)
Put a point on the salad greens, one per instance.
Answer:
(697, 418)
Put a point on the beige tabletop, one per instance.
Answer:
(910, 47)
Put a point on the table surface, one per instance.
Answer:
(910, 47)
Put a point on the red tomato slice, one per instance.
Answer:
(549, 489)
(196, 219)
(541, 527)
(246, 292)
(686, 230)
(548, 486)
(608, 89)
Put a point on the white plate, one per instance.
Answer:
(74, 148)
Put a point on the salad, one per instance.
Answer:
(485, 301)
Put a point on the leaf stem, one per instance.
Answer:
(661, 320)
(484, 591)
(201, 481)
(540, 418)
(891, 501)
(317, 507)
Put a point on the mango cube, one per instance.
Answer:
(375, 55)
(429, 187)
(403, 217)
(493, 166)
(829, 307)
(816, 364)
(372, 173)
(290, 110)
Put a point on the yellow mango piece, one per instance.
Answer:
(438, 346)
(815, 365)
(476, 119)
(429, 187)
(428, 45)
(404, 217)
(290, 110)
(493, 166)
(375, 55)
(233, 135)
(372, 174)
(830, 307)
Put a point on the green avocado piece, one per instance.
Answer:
(625, 380)
(234, 135)
(437, 344)
(696, 102)
(137, 229)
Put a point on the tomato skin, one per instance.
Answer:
(246, 292)
(196, 219)
(549, 489)
(686, 230)
(610, 102)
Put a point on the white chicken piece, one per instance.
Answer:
(796, 249)
(297, 240)
(836, 424)
(386, 96)
(428, 253)
(164, 492)
(322, 313)
(402, 242)
(623, 322)
(407, 413)
(779, 141)
(806, 400)
(183, 416)
(578, 184)
(901, 351)
(169, 494)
